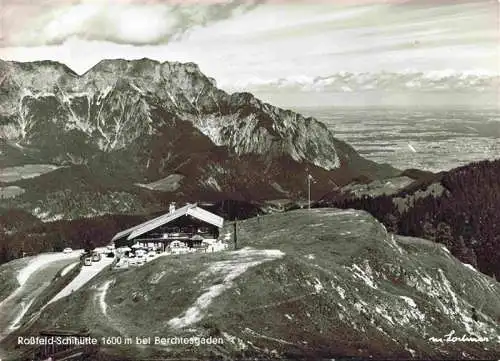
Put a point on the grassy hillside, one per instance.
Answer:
(459, 208)
(319, 283)
(8, 281)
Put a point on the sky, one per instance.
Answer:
(323, 53)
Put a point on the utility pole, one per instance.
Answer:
(235, 236)
(309, 177)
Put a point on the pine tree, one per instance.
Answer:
(428, 231)
(443, 235)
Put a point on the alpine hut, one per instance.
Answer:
(189, 224)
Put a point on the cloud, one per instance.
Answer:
(346, 82)
(122, 22)
(271, 47)
(116, 23)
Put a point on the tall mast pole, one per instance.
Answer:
(308, 191)
(235, 234)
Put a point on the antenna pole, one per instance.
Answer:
(235, 234)
(308, 191)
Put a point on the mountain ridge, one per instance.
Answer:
(183, 79)
(146, 69)
(141, 121)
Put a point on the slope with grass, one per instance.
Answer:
(29, 280)
(459, 208)
(319, 283)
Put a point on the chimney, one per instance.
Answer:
(171, 209)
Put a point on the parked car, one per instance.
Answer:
(67, 250)
(151, 254)
(96, 257)
(87, 260)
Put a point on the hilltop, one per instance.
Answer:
(318, 283)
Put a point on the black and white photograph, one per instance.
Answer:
(249, 180)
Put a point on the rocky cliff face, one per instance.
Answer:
(143, 121)
(113, 104)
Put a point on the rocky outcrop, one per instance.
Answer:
(112, 105)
